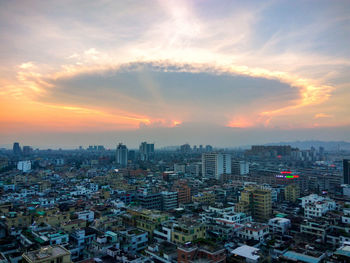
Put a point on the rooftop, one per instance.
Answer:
(46, 252)
(247, 252)
(343, 251)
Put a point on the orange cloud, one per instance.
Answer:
(240, 122)
(322, 115)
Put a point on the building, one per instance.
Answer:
(315, 228)
(342, 254)
(27, 150)
(214, 165)
(271, 150)
(87, 215)
(4, 162)
(346, 171)
(169, 200)
(17, 149)
(279, 225)
(256, 202)
(246, 254)
(239, 167)
(122, 155)
(24, 166)
(147, 220)
(179, 168)
(187, 231)
(208, 148)
(183, 191)
(205, 198)
(316, 206)
(254, 231)
(203, 253)
(146, 151)
(292, 193)
(48, 254)
(150, 200)
(303, 256)
(133, 240)
(185, 148)
(193, 169)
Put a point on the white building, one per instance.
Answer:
(86, 215)
(93, 187)
(232, 219)
(279, 225)
(254, 231)
(169, 200)
(121, 157)
(24, 166)
(221, 210)
(247, 253)
(316, 206)
(163, 234)
(214, 165)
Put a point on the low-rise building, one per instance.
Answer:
(187, 231)
(279, 226)
(133, 240)
(254, 231)
(315, 228)
(48, 254)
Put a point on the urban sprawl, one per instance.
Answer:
(174, 204)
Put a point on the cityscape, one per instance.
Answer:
(164, 131)
(187, 203)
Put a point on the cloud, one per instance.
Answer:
(253, 64)
(26, 65)
(173, 92)
(322, 115)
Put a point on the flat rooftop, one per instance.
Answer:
(46, 252)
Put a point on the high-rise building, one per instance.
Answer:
(183, 191)
(256, 202)
(17, 149)
(214, 165)
(122, 155)
(208, 148)
(185, 148)
(146, 151)
(27, 150)
(239, 167)
(291, 193)
(100, 148)
(346, 171)
(131, 155)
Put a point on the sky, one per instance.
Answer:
(225, 73)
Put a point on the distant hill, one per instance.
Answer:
(328, 145)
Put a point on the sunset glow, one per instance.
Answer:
(150, 65)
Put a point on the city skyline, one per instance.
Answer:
(79, 73)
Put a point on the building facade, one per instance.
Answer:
(214, 165)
